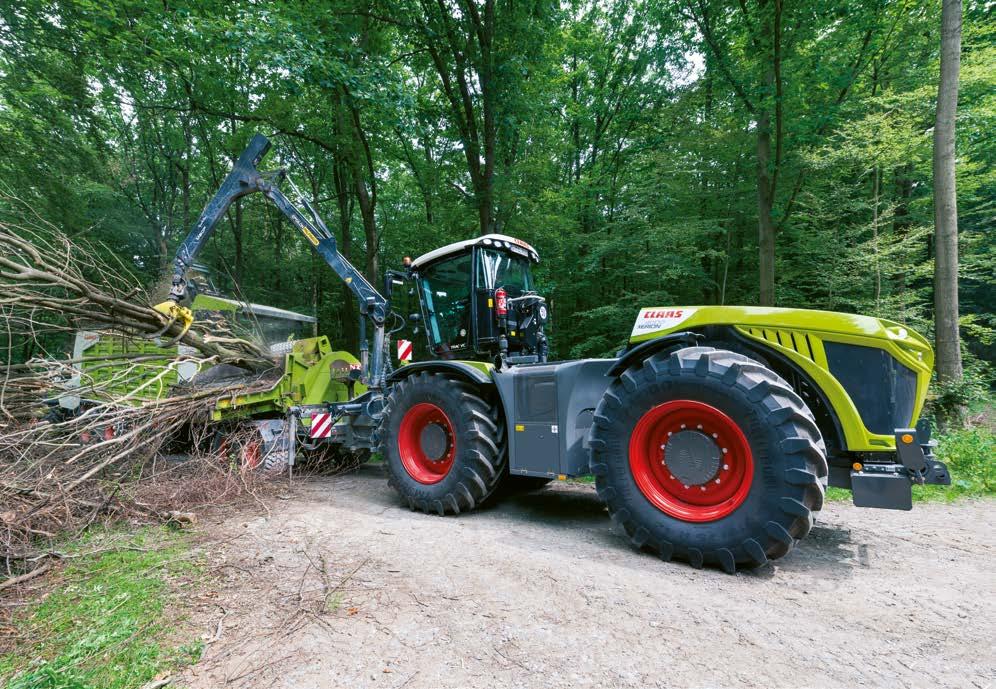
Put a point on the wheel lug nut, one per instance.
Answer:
(683, 426)
(717, 480)
(685, 486)
(669, 434)
(699, 426)
(724, 450)
(671, 476)
(702, 488)
(715, 435)
(726, 467)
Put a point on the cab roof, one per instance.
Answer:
(501, 241)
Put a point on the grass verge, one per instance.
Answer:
(107, 621)
(970, 454)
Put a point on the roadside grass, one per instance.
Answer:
(970, 454)
(106, 623)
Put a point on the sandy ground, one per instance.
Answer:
(342, 587)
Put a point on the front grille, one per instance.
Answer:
(882, 389)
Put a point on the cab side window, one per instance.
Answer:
(446, 293)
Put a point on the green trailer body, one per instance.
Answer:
(126, 370)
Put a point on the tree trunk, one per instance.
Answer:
(350, 329)
(765, 225)
(767, 170)
(949, 367)
(878, 264)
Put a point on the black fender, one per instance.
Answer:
(645, 349)
(460, 368)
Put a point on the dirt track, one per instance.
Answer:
(341, 587)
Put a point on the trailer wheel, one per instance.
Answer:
(442, 443)
(707, 456)
(244, 447)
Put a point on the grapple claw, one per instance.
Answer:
(176, 313)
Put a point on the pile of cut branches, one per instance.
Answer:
(49, 283)
(64, 467)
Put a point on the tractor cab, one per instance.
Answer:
(478, 301)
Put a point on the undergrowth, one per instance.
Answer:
(107, 621)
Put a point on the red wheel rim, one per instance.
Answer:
(713, 497)
(419, 465)
(252, 454)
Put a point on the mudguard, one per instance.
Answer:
(475, 371)
(831, 349)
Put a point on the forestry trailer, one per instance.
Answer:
(712, 436)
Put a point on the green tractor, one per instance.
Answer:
(712, 435)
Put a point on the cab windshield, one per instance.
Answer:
(448, 298)
(501, 269)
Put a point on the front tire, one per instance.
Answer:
(443, 443)
(707, 456)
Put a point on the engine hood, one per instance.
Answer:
(654, 321)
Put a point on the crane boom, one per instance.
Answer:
(245, 179)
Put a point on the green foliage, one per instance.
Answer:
(104, 624)
(970, 454)
(623, 145)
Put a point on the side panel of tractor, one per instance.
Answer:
(549, 410)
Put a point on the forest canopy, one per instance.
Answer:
(648, 149)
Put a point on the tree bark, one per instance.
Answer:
(469, 41)
(766, 183)
(239, 251)
(340, 176)
(765, 225)
(947, 340)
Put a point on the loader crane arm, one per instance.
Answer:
(246, 179)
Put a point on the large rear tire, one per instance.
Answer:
(707, 456)
(443, 443)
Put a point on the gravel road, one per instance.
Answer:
(339, 586)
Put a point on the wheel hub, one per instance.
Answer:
(691, 460)
(434, 441)
(692, 457)
(426, 443)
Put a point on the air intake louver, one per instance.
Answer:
(798, 342)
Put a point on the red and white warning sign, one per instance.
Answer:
(404, 350)
(321, 425)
